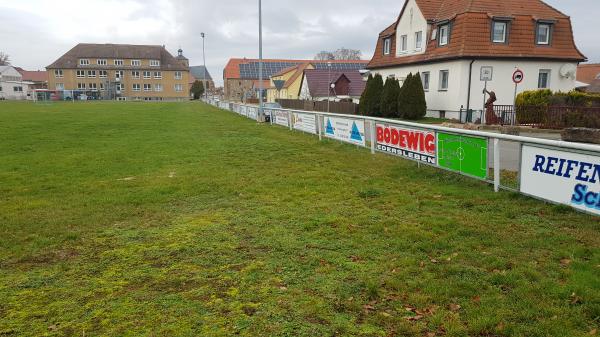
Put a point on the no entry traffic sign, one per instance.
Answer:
(518, 76)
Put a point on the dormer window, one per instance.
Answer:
(84, 62)
(154, 63)
(499, 31)
(387, 46)
(444, 35)
(543, 33)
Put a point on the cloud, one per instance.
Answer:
(36, 32)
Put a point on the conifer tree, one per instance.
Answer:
(375, 94)
(403, 97)
(363, 107)
(389, 103)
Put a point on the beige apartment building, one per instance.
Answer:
(120, 72)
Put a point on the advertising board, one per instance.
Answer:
(346, 130)
(282, 118)
(464, 154)
(563, 177)
(419, 145)
(305, 122)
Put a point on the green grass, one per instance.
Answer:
(179, 219)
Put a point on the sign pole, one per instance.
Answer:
(483, 116)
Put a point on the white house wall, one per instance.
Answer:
(503, 85)
(455, 98)
(412, 21)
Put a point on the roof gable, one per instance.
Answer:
(471, 31)
(118, 51)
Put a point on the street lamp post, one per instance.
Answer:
(204, 69)
(328, 83)
(260, 63)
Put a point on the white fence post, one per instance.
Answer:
(373, 137)
(290, 120)
(496, 164)
(319, 127)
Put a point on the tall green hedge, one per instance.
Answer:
(546, 97)
(364, 103)
(389, 99)
(403, 97)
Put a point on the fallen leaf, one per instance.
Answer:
(476, 299)
(385, 314)
(52, 327)
(422, 264)
(565, 262)
(455, 307)
(431, 334)
(434, 261)
(500, 326)
(409, 308)
(593, 332)
(413, 318)
(282, 288)
(368, 307)
(437, 196)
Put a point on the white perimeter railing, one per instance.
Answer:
(555, 171)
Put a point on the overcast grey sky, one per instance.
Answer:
(36, 32)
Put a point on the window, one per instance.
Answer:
(147, 87)
(403, 43)
(93, 86)
(179, 87)
(444, 75)
(80, 73)
(147, 75)
(119, 87)
(425, 80)
(118, 62)
(499, 31)
(137, 87)
(154, 63)
(81, 86)
(84, 62)
(135, 74)
(60, 86)
(18, 89)
(387, 46)
(544, 79)
(58, 73)
(103, 73)
(136, 63)
(543, 33)
(444, 35)
(418, 40)
(158, 75)
(119, 74)
(0, 89)
(101, 86)
(101, 62)
(91, 73)
(178, 75)
(158, 87)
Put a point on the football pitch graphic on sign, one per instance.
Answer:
(346, 130)
(463, 154)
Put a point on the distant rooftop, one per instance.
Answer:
(199, 71)
(248, 68)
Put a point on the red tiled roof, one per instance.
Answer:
(587, 73)
(34, 76)
(471, 31)
(318, 81)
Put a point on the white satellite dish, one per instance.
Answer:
(568, 70)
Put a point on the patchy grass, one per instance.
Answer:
(184, 220)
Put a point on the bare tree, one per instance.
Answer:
(324, 56)
(347, 54)
(340, 54)
(4, 59)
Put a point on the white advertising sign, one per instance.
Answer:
(282, 118)
(346, 130)
(563, 177)
(305, 122)
(486, 73)
(252, 113)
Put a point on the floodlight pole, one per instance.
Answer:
(204, 69)
(260, 62)
(328, 83)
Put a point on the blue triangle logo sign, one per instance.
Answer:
(329, 129)
(355, 134)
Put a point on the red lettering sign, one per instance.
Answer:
(423, 142)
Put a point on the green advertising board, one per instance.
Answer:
(463, 154)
